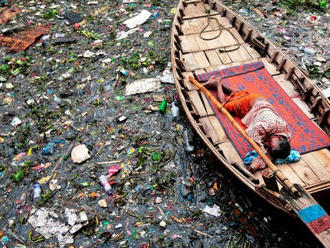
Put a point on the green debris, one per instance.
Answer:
(49, 14)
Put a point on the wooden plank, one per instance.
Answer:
(230, 152)
(225, 59)
(316, 166)
(233, 53)
(224, 22)
(195, 26)
(285, 85)
(213, 57)
(188, 44)
(269, 67)
(220, 67)
(209, 40)
(244, 54)
(207, 105)
(201, 60)
(194, 9)
(253, 53)
(288, 87)
(218, 129)
(304, 172)
(227, 38)
(209, 130)
(304, 107)
(190, 62)
(290, 174)
(187, 82)
(196, 101)
(234, 32)
(323, 156)
(199, 71)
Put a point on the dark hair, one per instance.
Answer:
(282, 150)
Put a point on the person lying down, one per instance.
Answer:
(264, 125)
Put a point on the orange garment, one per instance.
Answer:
(239, 102)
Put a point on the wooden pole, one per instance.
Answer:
(285, 181)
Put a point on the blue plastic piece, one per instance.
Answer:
(49, 148)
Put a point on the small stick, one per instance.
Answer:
(109, 162)
(65, 153)
(202, 233)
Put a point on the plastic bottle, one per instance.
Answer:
(188, 147)
(175, 111)
(162, 107)
(104, 181)
(36, 191)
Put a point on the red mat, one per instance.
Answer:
(306, 135)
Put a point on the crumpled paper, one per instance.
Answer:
(215, 210)
(46, 222)
(143, 86)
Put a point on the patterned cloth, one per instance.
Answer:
(294, 156)
(262, 120)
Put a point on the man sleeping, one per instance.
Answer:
(264, 125)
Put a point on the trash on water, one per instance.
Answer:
(80, 153)
(138, 20)
(143, 86)
(215, 210)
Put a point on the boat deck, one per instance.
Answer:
(200, 55)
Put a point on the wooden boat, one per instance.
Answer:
(191, 55)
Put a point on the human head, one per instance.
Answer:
(277, 146)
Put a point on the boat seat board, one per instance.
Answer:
(317, 166)
(217, 59)
(224, 57)
(194, 61)
(195, 26)
(323, 156)
(304, 172)
(197, 9)
(194, 43)
(239, 54)
(201, 59)
(213, 57)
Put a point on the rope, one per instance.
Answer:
(221, 28)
